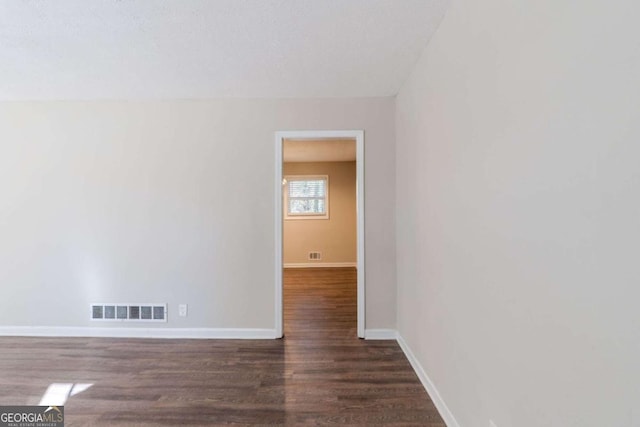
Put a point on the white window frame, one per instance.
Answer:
(296, 216)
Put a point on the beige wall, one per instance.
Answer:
(335, 237)
(518, 216)
(167, 201)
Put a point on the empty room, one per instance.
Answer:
(327, 212)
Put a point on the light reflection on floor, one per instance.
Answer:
(58, 393)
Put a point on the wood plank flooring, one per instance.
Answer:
(319, 374)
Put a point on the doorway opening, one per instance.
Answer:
(314, 202)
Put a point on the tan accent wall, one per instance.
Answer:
(336, 237)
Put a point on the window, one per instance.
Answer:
(306, 197)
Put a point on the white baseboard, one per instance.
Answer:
(432, 391)
(178, 333)
(380, 334)
(320, 264)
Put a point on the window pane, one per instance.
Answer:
(306, 206)
(307, 188)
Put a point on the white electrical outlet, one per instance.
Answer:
(182, 310)
(491, 423)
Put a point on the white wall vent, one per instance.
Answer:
(129, 312)
(315, 256)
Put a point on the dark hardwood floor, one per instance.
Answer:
(319, 374)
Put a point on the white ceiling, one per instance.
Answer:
(149, 49)
(323, 150)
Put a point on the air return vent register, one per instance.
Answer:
(129, 312)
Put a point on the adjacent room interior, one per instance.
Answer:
(320, 249)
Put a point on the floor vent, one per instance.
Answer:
(129, 312)
(315, 256)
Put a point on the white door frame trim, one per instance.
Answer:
(358, 135)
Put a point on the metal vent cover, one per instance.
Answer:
(124, 312)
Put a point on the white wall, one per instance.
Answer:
(518, 212)
(167, 202)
